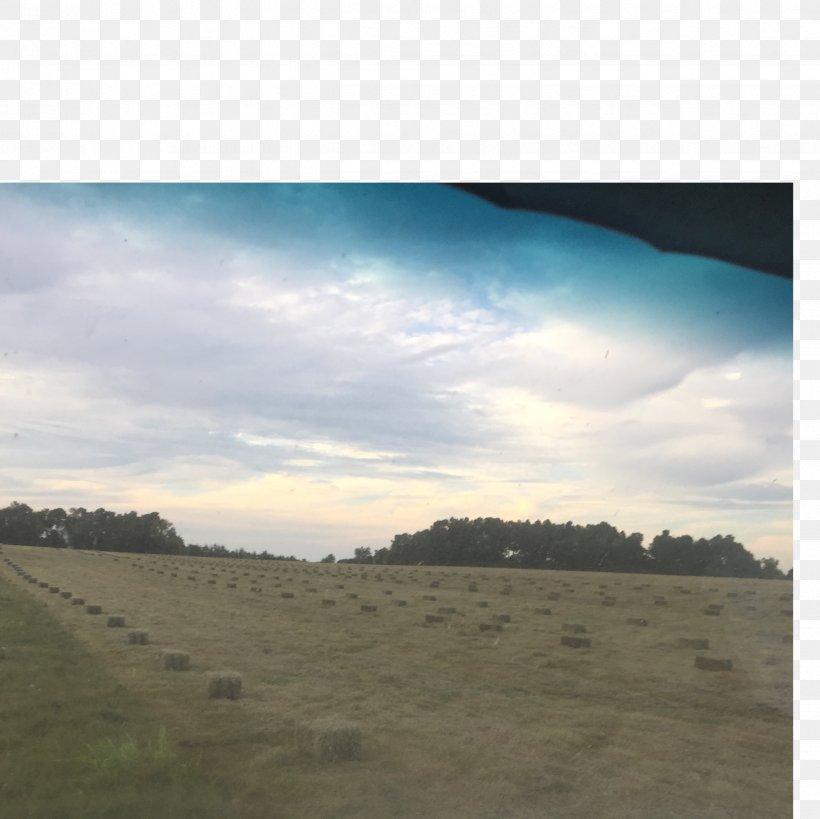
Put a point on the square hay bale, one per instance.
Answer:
(483, 604)
(78, 601)
(693, 642)
(710, 664)
(93, 609)
(42, 584)
(636, 621)
(554, 596)
(576, 642)
(115, 621)
(446, 610)
(429, 597)
(399, 602)
(574, 628)
(327, 602)
(53, 589)
(388, 591)
(712, 612)
(224, 685)
(608, 603)
(501, 618)
(66, 595)
(173, 660)
(231, 585)
(490, 627)
(660, 601)
(367, 609)
(543, 611)
(472, 587)
(433, 618)
(287, 595)
(330, 740)
(138, 638)
(352, 596)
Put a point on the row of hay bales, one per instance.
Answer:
(278, 572)
(572, 641)
(326, 740)
(225, 685)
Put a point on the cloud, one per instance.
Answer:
(278, 356)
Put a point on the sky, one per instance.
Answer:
(311, 368)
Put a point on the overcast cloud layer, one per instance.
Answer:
(312, 368)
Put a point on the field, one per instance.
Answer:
(480, 713)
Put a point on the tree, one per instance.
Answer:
(362, 554)
(329, 559)
(770, 569)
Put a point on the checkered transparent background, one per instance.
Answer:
(417, 90)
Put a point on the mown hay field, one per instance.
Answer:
(481, 710)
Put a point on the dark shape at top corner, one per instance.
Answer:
(744, 223)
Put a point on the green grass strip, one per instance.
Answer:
(76, 744)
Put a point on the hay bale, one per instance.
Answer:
(399, 602)
(693, 642)
(328, 602)
(472, 587)
(330, 740)
(501, 618)
(367, 609)
(224, 685)
(78, 601)
(66, 595)
(173, 660)
(433, 618)
(554, 596)
(483, 604)
(352, 596)
(231, 585)
(576, 642)
(710, 664)
(388, 591)
(712, 612)
(138, 638)
(574, 628)
(53, 589)
(93, 609)
(609, 603)
(543, 611)
(429, 597)
(446, 610)
(42, 584)
(490, 627)
(115, 621)
(287, 595)
(636, 621)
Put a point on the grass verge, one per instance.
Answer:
(75, 743)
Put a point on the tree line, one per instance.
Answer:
(599, 547)
(106, 531)
(488, 542)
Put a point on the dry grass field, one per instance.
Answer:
(481, 712)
